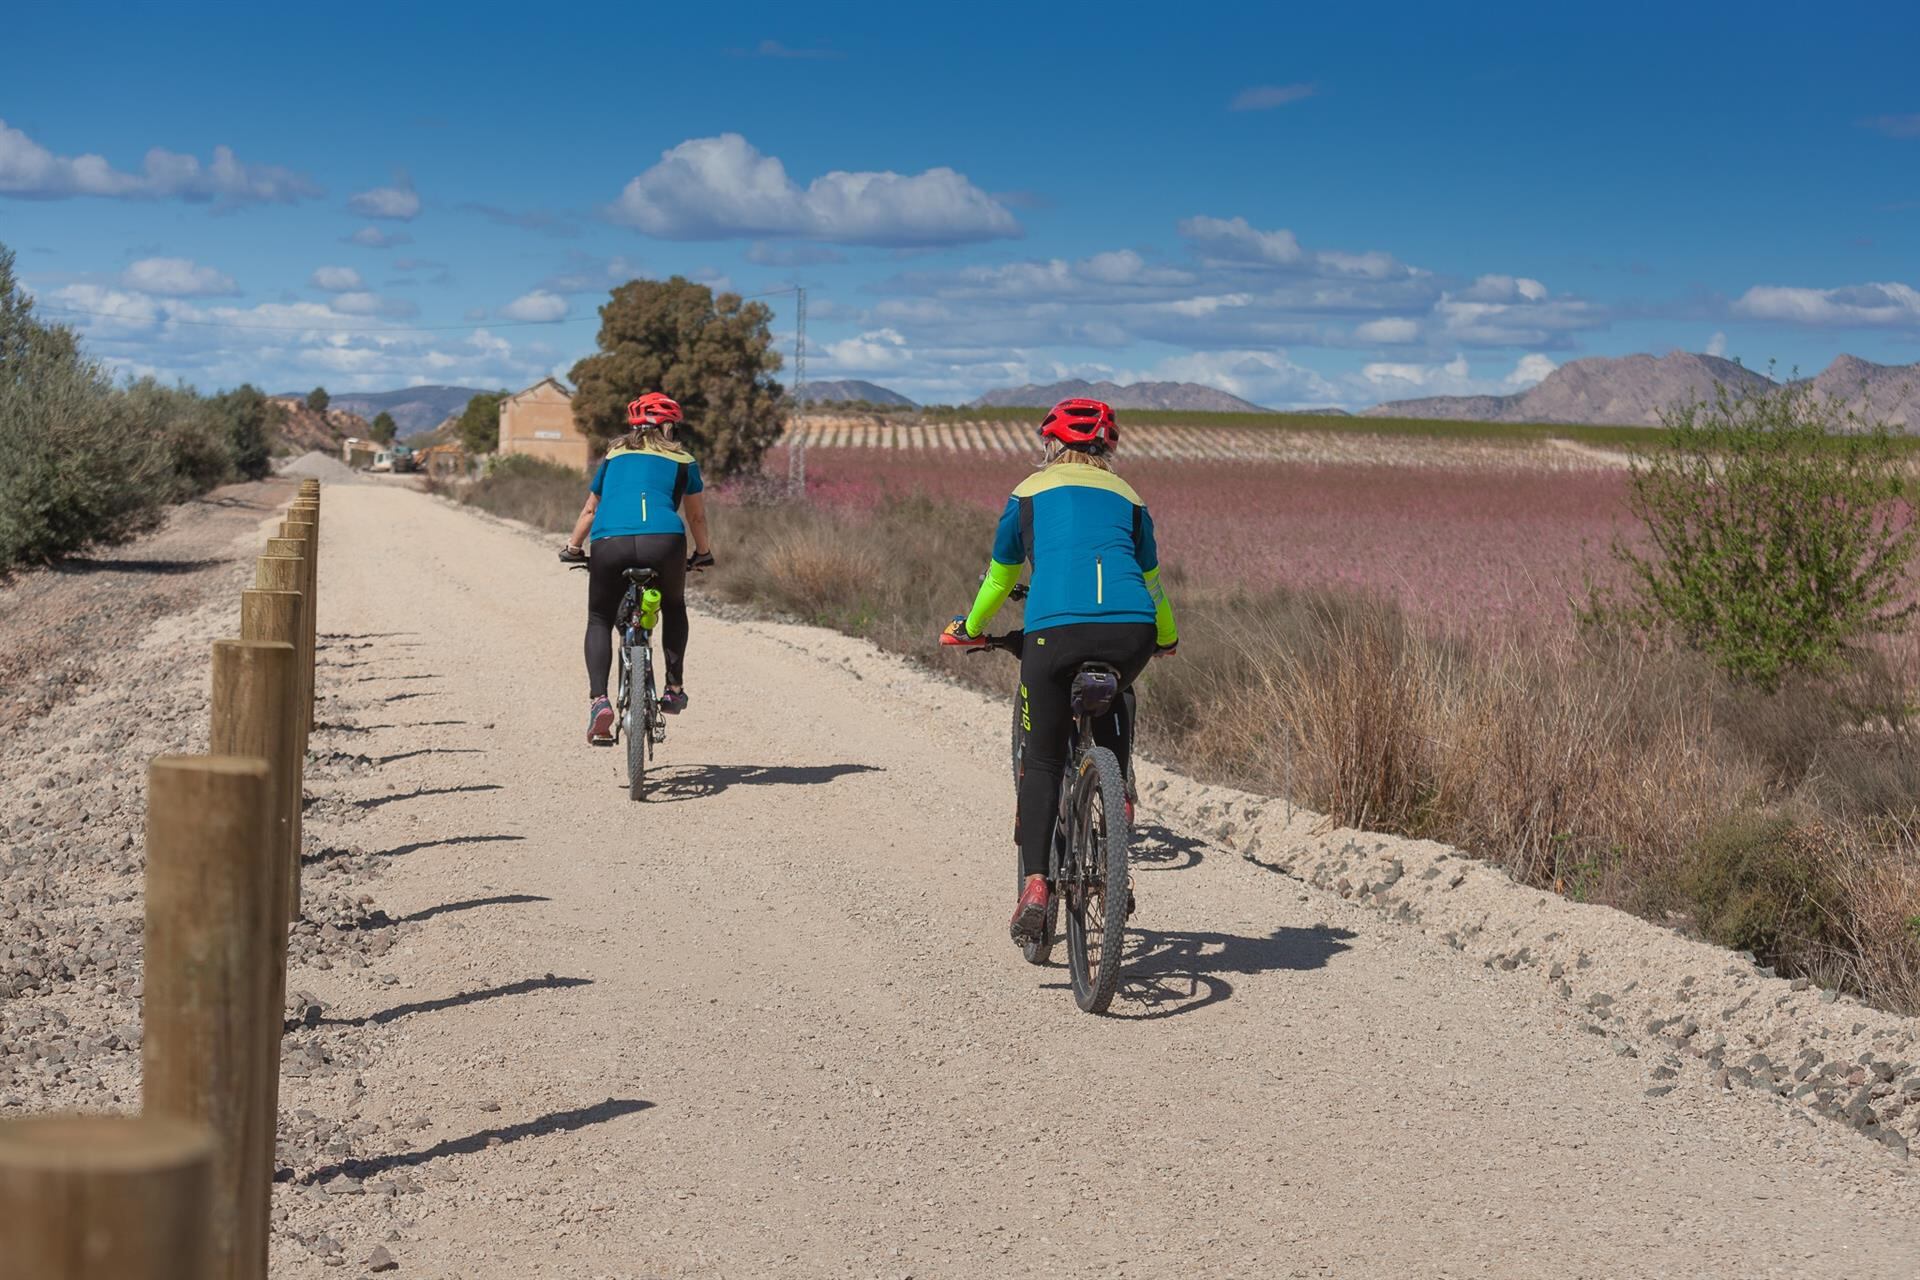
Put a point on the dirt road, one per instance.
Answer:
(769, 1023)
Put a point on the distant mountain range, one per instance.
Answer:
(1634, 390)
(852, 389)
(414, 409)
(1139, 395)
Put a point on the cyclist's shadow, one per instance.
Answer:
(1165, 974)
(699, 781)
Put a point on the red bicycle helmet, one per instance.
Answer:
(654, 409)
(1081, 424)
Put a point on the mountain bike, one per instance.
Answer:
(1041, 952)
(638, 719)
(1087, 869)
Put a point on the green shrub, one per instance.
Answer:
(520, 487)
(1776, 534)
(1763, 883)
(83, 462)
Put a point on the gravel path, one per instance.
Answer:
(769, 1022)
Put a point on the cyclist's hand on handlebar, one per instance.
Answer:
(956, 634)
(699, 560)
(1166, 650)
(570, 554)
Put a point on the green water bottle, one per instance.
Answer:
(649, 608)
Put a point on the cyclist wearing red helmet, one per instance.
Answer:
(633, 520)
(1095, 595)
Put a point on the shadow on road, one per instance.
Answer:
(698, 781)
(468, 904)
(402, 850)
(85, 564)
(1155, 848)
(1166, 974)
(429, 751)
(422, 792)
(520, 988)
(552, 1122)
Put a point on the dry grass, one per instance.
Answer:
(1607, 772)
(544, 494)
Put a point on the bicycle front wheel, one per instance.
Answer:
(1095, 886)
(636, 729)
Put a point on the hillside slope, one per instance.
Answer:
(844, 389)
(413, 408)
(1627, 390)
(302, 429)
(1633, 390)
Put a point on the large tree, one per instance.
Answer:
(250, 420)
(318, 399)
(383, 427)
(713, 354)
(479, 425)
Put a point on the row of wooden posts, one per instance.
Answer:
(182, 1190)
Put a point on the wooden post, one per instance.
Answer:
(105, 1197)
(254, 685)
(282, 569)
(276, 615)
(303, 521)
(209, 847)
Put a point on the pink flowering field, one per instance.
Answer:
(1468, 546)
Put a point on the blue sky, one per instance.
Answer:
(1405, 201)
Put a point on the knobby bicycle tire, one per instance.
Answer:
(636, 729)
(1096, 888)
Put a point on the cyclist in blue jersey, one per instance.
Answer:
(633, 520)
(1095, 595)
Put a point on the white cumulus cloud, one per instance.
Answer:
(30, 171)
(375, 238)
(1389, 330)
(335, 279)
(1868, 305)
(1717, 345)
(399, 202)
(177, 278)
(538, 306)
(723, 188)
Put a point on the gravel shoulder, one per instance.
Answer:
(769, 1020)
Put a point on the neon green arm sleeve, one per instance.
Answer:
(993, 594)
(1165, 632)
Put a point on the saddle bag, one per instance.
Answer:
(1094, 690)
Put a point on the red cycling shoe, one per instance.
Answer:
(600, 723)
(1030, 916)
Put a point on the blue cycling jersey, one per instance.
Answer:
(1090, 540)
(640, 492)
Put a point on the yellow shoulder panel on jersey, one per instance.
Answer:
(1084, 477)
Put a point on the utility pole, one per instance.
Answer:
(797, 450)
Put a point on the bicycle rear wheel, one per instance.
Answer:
(1095, 886)
(637, 728)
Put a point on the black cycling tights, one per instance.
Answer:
(1048, 661)
(666, 555)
